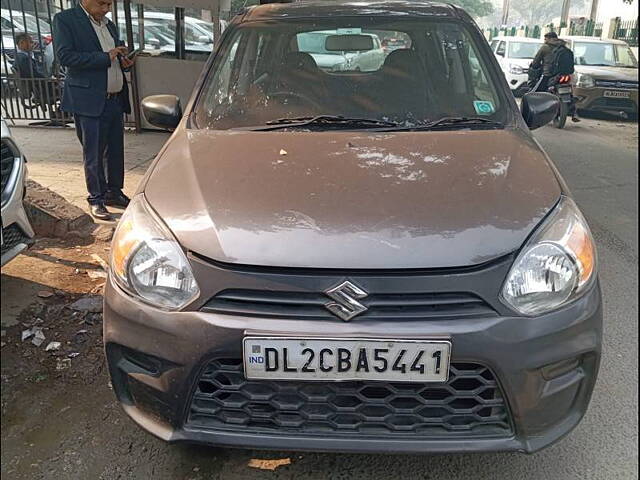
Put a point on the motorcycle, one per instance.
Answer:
(563, 89)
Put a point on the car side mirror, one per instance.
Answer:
(539, 108)
(162, 111)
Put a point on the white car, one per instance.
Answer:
(514, 55)
(341, 61)
(17, 233)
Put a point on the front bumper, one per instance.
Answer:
(518, 83)
(594, 99)
(546, 367)
(17, 233)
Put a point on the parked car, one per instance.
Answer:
(16, 21)
(606, 75)
(514, 55)
(313, 43)
(380, 261)
(17, 234)
(198, 33)
(391, 44)
(364, 59)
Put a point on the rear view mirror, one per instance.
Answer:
(162, 111)
(539, 108)
(348, 43)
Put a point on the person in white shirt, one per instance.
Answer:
(95, 91)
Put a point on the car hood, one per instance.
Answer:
(609, 73)
(352, 200)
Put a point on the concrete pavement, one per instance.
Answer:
(55, 159)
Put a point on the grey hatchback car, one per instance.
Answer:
(365, 260)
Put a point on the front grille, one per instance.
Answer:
(469, 404)
(606, 103)
(625, 85)
(7, 163)
(12, 236)
(311, 305)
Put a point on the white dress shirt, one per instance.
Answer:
(115, 78)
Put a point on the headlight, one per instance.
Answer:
(516, 69)
(555, 266)
(585, 81)
(147, 262)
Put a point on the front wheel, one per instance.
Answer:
(561, 118)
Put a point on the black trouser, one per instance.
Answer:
(102, 140)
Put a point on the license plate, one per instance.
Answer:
(616, 94)
(277, 358)
(564, 90)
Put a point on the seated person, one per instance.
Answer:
(27, 68)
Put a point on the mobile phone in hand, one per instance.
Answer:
(131, 55)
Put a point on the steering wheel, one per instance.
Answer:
(298, 96)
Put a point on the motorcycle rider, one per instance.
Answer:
(544, 66)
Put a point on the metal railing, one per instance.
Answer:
(31, 89)
(627, 31)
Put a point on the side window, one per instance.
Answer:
(494, 44)
(502, 49)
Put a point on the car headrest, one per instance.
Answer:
(402, 62)
(300, 61)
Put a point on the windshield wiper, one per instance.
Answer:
(333, 121)
(448, 123)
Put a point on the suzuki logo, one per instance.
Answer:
(346, 296)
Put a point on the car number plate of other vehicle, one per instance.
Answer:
(564, 90)
(332, 359)
(616, 94)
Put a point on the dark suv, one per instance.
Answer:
(374, 258)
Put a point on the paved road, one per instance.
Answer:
(598, 159)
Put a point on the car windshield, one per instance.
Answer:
(268, 71)
(604, 54)
(523, 49)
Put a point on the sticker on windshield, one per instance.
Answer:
(483, 107)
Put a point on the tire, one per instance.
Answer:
(561, 119)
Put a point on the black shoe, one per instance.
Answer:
(119, 200)
(575, 119)
(100, 212)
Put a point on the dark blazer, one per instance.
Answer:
(78, 49)
(26, 66)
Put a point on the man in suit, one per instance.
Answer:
(96, 93)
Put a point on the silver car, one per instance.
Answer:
(17, 233)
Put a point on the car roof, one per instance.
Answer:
(325, 8)
(517, 39)
(576, 38)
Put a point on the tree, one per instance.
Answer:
(237, 5)
(475, 8)
(540, 12)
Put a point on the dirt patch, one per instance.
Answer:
(37, 385)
